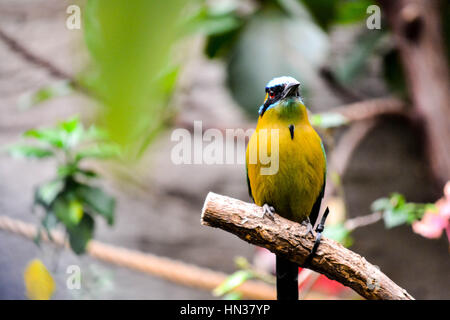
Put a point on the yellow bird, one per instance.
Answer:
(292, 184)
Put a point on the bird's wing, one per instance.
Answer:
(316, 207)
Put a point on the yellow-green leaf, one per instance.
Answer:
(39, 282)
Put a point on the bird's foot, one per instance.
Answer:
(309, 228)
(268, 210)
(318, 237)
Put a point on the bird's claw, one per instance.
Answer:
(309, 228)
(269, 210)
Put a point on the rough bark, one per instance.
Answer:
(286, 238)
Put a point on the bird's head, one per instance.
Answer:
(280, 89)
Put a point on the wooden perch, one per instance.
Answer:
(285, 238)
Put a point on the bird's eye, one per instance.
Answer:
(271, 94)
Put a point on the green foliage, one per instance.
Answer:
(232, 282)
(132, 70)
(328, 120)
(233, 296)
(80, 234)
(260, 44)
(353, 11)
(329, 12)
(246, 272)
(60, 88)
(323, 11)
(339, 233)
(29, 151)
(396, 211)
(220, 25)
(70, 198)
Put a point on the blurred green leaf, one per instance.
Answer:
(26, 151)
(219, 45)
(66, 199)
(93, 133)
(323, 11)
(66, 134)
(232, 282)
(70, 125)
(68, 210)
(99, 151)
(66, 170)
(233, 296)
(168, 79)
(220, 26)
(393, 208)
(339, 233)
(394, 217)
(80, 234)
(87, 173)
(73, 131)
(130, 47)
(397, 211)
(48, 135)
(60, 88)
(213, 22)
(38, 237)
(352, 11)
(328, 120)
(96, 199)
(397, 200)
(46, 193)
(49, 222)
(381, 204)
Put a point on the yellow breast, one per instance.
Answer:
(286, 172)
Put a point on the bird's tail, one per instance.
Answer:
(287, 279)
(287, 271)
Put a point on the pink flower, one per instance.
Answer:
(443, 206)
(447, 230)
(447, 190)
(264, 260)
(431, 225)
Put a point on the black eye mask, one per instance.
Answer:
(275, 94)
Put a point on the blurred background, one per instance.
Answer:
(92, 91)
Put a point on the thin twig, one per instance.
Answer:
(363, 221)
(343, 92)
(15, 46)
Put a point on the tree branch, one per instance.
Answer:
(17, 47)
(284, 237)
(371, 108)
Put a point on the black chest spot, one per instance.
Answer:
(291, 130)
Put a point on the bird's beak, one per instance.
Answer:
(291, 90)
